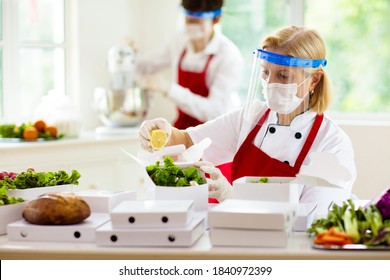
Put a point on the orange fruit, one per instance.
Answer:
(52, 130)
(40, 125)
(30, 133)
(158, 139)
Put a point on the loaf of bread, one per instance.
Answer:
(56, 209)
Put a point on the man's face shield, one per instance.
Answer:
(282, 81)
(199, 25)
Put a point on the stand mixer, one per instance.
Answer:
(124, 104)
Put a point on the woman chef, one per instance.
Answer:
(208, 66)
(275, 137)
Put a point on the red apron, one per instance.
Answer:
(252, 161)
(196, 83)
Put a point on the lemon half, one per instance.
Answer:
(158, 139)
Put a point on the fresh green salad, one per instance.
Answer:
(5, 199)
(170, 174)
(364, 225)
(32, 179)
(260, 180)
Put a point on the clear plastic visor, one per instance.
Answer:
(280, 80)
(203, 14)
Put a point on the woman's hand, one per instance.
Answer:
(219, 186)
(150, 125)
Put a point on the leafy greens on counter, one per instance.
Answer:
(364, 225)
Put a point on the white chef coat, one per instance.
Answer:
(281, 142)
(223, 76)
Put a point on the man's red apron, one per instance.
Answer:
(196, 83)
(252, 161)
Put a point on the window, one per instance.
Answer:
(33, 55)
(1, 58)
(246, 25)
(356, 34)
(358, 38)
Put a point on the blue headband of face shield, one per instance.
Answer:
(289, 60)
(205, 15)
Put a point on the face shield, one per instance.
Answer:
(199, 25)
(284, 82)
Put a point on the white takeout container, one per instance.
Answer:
(255, 215)
(197, 193)
(235, 237)
(152, 214)
(85, 231)
(184, 236)
(305, 216)
(101, 201)
(33, 193)
(284, 189)
(9, 214)
(325, 170)
(184, 158)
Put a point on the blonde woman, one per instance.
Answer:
(273, 137)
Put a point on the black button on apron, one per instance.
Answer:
(298, 135)
(286, 162)
(272, 129)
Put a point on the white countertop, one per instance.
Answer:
(84, 138)
(298, 248)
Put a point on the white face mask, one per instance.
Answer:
(282, 98)
(202, 30)
(194, 31)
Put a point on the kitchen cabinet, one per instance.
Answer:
(99, 160)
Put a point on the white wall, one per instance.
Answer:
(104, 23)
(372, 157)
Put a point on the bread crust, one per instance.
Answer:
(56, 209)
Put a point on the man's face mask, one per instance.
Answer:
(199, 30)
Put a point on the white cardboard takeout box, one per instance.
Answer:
(186, 236)
(233, 237)
(152, 214)
(251, 214)
(9, 214)
(197, 193)
(82, 232)
(283, 189)
(184, 158)
(324, 170)
(102, 201)
(306, 214)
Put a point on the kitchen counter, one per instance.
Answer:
(88, 137)
(298, 248)
(97, 156)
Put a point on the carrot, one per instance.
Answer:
(332, 237)
(341, 234)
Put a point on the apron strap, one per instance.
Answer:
(183, 53)
(309, 141)
(207, 63)
(257, 127)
